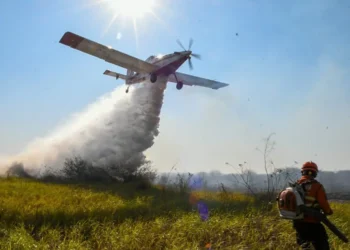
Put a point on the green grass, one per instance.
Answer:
(36, 215)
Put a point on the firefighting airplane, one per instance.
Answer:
(139, 70)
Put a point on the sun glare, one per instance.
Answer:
(131, 8)
(126, 10)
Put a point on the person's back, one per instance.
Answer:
(310, 228)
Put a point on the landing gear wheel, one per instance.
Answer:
(179, 85)
(127, 90)
(153, 78)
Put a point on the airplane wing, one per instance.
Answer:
(109, 55)
(197, 81)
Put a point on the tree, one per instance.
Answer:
(244, 176)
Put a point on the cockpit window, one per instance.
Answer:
(151, 59)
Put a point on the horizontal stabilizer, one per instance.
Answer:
(115, 75)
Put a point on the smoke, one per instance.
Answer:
(116, 129)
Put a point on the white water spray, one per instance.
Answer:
(117, 128)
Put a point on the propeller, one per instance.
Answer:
(197, 56)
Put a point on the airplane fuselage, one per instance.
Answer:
(167, 65)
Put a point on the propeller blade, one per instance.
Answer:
(179, 43)
(190, 64)
(190, 44)
(196, 56)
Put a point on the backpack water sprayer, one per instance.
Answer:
(291, 206)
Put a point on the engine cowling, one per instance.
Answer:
(179, 85)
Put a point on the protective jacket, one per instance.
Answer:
(315, 197)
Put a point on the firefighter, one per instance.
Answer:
(310, 230)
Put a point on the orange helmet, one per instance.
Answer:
(310, 166)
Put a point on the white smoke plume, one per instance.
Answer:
(117, 128)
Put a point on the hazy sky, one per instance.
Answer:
(288, 70)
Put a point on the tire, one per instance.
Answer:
(179, 85)
(153, 78)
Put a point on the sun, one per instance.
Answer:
(131, 8)
(127, 10)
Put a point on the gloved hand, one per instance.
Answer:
(330, 212)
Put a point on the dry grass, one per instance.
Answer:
(36, 215)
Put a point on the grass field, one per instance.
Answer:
(35, 215)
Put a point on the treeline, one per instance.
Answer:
(242, 178)
(334, 182)
(77, 169)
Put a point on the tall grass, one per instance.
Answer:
(35, 215)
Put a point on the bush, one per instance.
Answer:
(77, 169)
(17, 169)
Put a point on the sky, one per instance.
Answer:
(287, 64)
